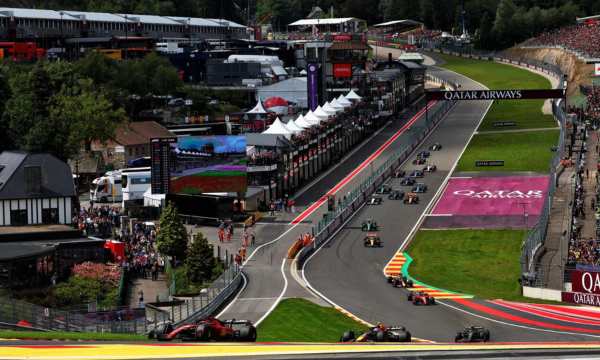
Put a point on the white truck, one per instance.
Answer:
(110, 186)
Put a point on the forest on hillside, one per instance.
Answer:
(493, 23)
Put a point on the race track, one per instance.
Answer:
(351, 276)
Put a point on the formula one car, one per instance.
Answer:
(420, 298)
(436, 147)
(419, 188)
(416, 174)
(379, 333)
(411, 198)
(419, 161)
(383, 189)
(209, 329)
(423, 154)
(396, 195)
(400, 281)
(407, 182)
(369, 225)
(372, 240)
(473, 334)
(430, 168)
(375, 200)
(399, 174)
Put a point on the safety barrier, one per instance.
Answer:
(350, 203)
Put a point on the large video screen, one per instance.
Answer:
(208, 164)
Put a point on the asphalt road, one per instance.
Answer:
(266, 282)
(351, 275)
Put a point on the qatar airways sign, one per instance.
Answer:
(494, 196)
(585, 281)
(496, 94)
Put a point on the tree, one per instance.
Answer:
(5, 94)
(200, 260)
(485, 38)
(172, 237)
(503, 24)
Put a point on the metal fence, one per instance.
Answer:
(332, 221)
(119, 320)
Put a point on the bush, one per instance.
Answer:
(78, 290)
(108, 274)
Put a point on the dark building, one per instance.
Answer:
(221, 73)
(35, 189)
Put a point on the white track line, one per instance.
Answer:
(236, 296)
(278, 300)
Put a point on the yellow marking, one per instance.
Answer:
(129, 351)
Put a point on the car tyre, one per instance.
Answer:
(348, 336)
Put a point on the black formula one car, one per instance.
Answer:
(424, 154)
(473, 334)
(407, 182)
(420, 298)
(419, 188)
(383, 189)
(419, 161)
(430, 168)
(372, 240)
(396, 195)
(399, 174)
(375, 200)
(416, 174)
(411, 198)
(209, 329)
(379, 333)
(400, 281)
(435, 147)
(369, 225)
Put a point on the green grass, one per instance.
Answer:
(527, 114)
(60, 335)
(484, 263)
(302, 320)
(521, 151)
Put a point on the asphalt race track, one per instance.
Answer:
(266, 283)
(351, 276)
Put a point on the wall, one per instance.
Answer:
(541, 293)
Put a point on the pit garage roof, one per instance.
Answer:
(332, 21)
(194, 21)
(223, 22)
(96, 16)
(150, 19)
(36, 14)
(399, 22)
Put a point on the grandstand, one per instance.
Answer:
(18, 24)
(582, 39)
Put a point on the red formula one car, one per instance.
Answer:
(209, 329)
(420, 298)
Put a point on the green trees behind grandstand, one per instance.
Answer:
(172, 239)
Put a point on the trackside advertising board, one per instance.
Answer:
(586, 288)
(495, 94)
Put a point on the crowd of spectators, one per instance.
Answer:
(582, 38)
(100, 221)
(142, 258)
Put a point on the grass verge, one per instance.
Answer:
(302, 320)
(61, 335)
(521, 151)
(527, 114)
(469, 261)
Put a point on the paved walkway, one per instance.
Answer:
(151, 290)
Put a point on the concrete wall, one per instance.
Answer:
(541, 293)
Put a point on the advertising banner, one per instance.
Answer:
(496, 94)
(585, 281)
(312, 84)
(580, 298)
(490, 202)
(597, 69)
(342, 70)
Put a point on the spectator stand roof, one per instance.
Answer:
(330, 21)
(98, 17)
(150, 19)
(195, 21)
(226, 23)
(37, 14)
(405, 22)
(588, 18)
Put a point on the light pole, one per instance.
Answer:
(126, 31)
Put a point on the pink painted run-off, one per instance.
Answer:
(494, 196)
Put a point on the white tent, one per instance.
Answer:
(328, 108)
(291, 125)
(336, 105)
(258, 109)
(352, 96)
(343, 101)
(278, 128)
(320, 113)
(302, 123)
(311, 118)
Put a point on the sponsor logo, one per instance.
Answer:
(483, 95)
(586, 281)
(581, 298)
(500, 194)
